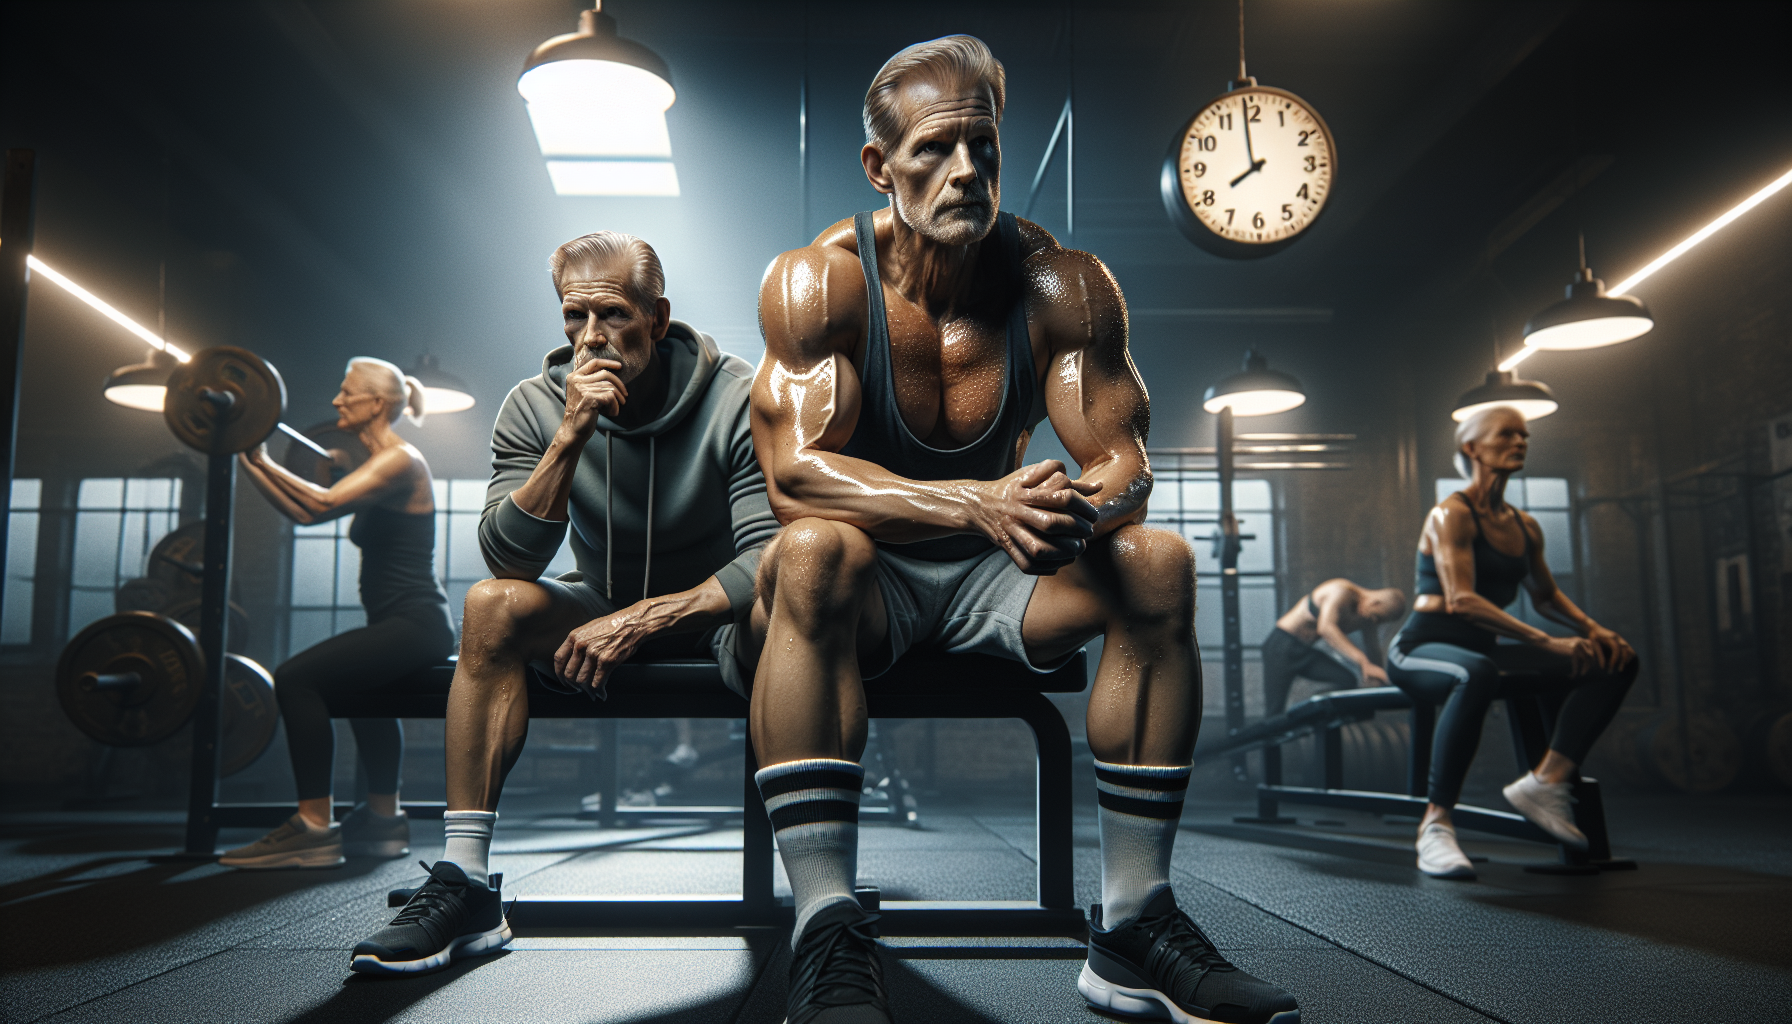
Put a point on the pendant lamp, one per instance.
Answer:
(1588, 317)
(442, 392)
(1533, 400)
(598, 103)
(1256, 390)
(142, 385)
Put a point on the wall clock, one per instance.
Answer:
(1250, 172)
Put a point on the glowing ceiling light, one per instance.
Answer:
(598, 104)
(155, 341)
(1588, 317)
(442, 392)
(1256, 390)
(1533, 400)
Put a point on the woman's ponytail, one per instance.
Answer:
(416, 397)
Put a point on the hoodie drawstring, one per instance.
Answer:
(609, 517)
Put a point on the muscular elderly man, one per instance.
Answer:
(910, 353)
(634, 437)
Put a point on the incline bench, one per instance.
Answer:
(1530, 716)
(918, 686)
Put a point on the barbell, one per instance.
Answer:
(226, 400)
(133, 679)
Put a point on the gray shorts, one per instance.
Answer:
(717, 643)
(974, 605)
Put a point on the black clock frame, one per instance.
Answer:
(1176, 205)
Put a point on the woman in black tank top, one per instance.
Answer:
(408, 627)
(1474, 554)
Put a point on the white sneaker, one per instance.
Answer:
(1550, 808)
(1439, 854)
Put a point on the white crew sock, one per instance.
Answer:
(1140, 806)
(814, 807)
(468, 835)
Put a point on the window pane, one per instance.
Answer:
(563, 563)
(1515, 492)
(467, 495)
(1257, 611)
(1558, 541)
(1447, 487)
(438, 490)
(89, 606)
(348, 574)
(313, 575)
(27, 494)
(1200, 495)
(444, 530)
(101, 493)
(309, 628)
(1546, 492)
(1252, 495)
(463, 549)
(96, 548)
(21, 567)
(1258, 554)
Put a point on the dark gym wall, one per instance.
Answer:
(330, 179)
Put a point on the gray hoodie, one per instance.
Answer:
(686, 499)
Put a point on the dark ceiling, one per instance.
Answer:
(325, 179)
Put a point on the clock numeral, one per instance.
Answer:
(1207, 198)
(1199, 168)
(1287, 213)
(1281, 119)
(1251, 114)
(1302, 193)
(1312, 162)
(1226, 124)
(1205, 143)
(1303, 137)
(1257, 219)
(1229, 214)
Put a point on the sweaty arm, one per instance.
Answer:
(305, 502)
(805, 404)
(1332, 601)
(1093, 393)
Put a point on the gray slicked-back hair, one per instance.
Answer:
(1470, 429)
(646, 278)
(946, 57)
(405, 392)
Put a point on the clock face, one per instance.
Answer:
(1252, 170)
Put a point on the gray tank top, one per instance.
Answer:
(880, 436)
(398, 558)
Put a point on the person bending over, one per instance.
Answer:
(634, 436)
(910, 353)
(1311, 640)
(1474, 553)
(407, 629)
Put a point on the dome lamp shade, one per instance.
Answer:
(141, 385)
(598, 104)
(442, 392)
(1256, 390)
(1588, 318)
(1532, 399)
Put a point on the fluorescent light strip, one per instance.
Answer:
(106, 309)
(1677, 251)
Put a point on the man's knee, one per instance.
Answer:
(496, 615)
(1153, 577)
(819, 566)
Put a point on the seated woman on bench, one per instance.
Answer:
(1311, 640)
(1474, 553)
(408, 628)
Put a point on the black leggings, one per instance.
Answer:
(348, 663)
(1467, 682)
(1285, 657)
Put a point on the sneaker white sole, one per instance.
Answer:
(1540, 816)
(1460, 872)
(461, 948)
(1147, 1002)
(325, 857)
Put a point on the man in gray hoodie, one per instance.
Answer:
(636, 435)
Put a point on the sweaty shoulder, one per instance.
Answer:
(813, 298)
(1071, 293)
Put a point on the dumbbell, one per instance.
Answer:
(133, 679)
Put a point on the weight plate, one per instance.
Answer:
(187, 614)
(347, 448)
(258, 400)
(164, 655)
(178, 559)
(142, 595)
(250, 714)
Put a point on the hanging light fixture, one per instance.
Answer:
(443, 392)
(1257, 390)
(1532, 399)
(598, 103)
(1588, 317)
(142, 385)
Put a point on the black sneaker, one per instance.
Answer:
(450, 916)
(1161, 964)
(835, 977)
(366, 834)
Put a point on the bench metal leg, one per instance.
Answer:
(1267, 810)
(756, 844)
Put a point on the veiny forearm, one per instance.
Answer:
(259, 477)
(545, 494)
(687, 611)
(1126, 483)
(828, 485)
(1489, 616)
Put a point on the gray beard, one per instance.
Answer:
(630, 368)
(953, 232)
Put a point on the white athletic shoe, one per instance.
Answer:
(1550, 808)
(1439, 854)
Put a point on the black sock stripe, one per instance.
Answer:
(1166, 809)
(1163, 783)
(818, 778)
(810, 812)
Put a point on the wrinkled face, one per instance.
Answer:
(603, 320)
(361, 400)
(1503, 442)
(945, 173)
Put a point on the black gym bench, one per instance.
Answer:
(918, 686)
(1326, 714)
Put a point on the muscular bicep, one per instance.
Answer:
(1452, 535)
(378, 478)
(1093, 393)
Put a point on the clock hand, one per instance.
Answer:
(1256, 164)
(1253, 169)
